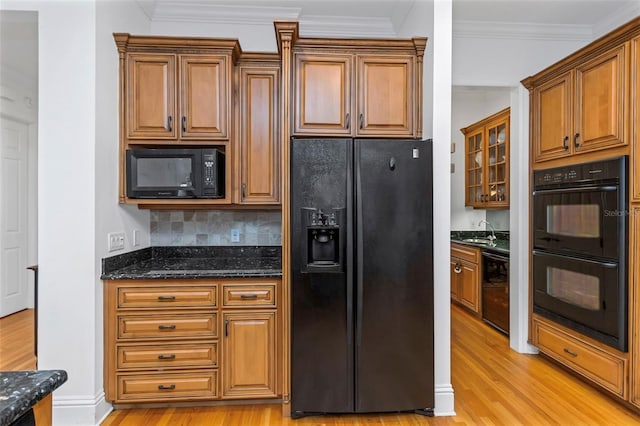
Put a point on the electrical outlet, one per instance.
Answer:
(136, 238)
(235, 235)
(115, 241)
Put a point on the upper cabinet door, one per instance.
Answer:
(205, 98)
(552, 118)
(385, 95)
(259, 135)
(322, 94)
(600, 102)
(151, 96)
(474, 164)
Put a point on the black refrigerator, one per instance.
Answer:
(361, 276)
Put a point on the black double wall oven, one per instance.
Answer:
(580, 222)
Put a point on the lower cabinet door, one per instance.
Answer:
(249, 347)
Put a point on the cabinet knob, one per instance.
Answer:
(457, 269)
(565, 142)
(575, 140)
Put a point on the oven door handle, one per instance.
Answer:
(605, 188)
(605, 264)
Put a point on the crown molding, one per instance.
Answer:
(346, 26)
(202, 11)
(522, 31)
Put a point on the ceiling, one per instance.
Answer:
(581, 18)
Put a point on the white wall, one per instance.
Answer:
(469, 105)
(77, 122)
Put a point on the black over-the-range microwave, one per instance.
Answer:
(175, 173)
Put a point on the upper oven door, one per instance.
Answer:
(583, 220)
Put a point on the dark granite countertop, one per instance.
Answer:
(501, 242)
(21, 390)
(194, 262)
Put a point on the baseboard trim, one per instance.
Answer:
(444, 401)
(79, 410)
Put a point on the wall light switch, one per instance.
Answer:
(235, 235)
(115, 241)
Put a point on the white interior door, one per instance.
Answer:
(14, 294)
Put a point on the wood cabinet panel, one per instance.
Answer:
(167, 386)
(465, 276)
(583, 109)
(167, 356)
(552, 120)
(249, 369)
(253, 295)
(259, 135)
(385, 95)
(592, 362)
(635, 129)
(151, 96)
(599, 99)
(204, 101)
(322, 97)
(167, 325)
(166, 297)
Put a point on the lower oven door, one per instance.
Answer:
(586, 295)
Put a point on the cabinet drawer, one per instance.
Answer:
(167, 356)
(604, 368)
(166, 297)
(168, 386)
(470, 254)
(256, 295)
(167, 326)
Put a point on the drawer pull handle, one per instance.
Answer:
(167, 357)
(166, 298)
(167, 327)
(163, 387)
(573, 354)
(249, 296)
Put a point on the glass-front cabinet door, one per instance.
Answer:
(487, 162)
(497, 163)
(474, 166)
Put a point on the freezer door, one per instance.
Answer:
(321, 289)
(394, 275)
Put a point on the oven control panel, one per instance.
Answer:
(595, 171)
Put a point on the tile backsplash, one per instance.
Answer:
(213, 228)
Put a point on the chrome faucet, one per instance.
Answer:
(491, 237)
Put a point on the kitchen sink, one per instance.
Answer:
(477, 240)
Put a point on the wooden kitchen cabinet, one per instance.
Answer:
(347, 92)
(583, 109)
(635, 135)
(200, 88)
(322, 100)
(249, 355)
(151, 96)
(258, 173)
(465, 276)
(487, 161)
(196, 339)
(385, 95)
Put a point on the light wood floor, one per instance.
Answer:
(493, 386)
(16, 341)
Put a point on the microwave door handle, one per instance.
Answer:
(605, 188)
